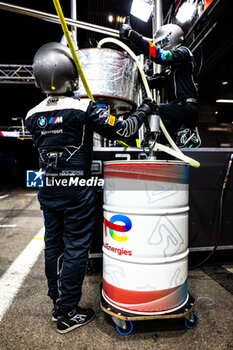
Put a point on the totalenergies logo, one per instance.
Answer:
(113, 228)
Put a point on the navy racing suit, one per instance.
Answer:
(62, 130)
(179, 79)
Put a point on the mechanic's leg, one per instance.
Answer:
(54, 247)
(174, 115)
(79, 219)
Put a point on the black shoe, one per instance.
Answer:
(195, 139)
(69, 320)
(189, 138)
(55, 313)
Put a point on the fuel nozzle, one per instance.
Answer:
(153, 121)
(152, 132)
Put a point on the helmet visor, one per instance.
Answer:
(162, 42)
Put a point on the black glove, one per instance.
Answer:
(125, 30)
(148, 106)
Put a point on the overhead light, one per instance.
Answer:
(212, 128)
(224, 101)
(186, 12)
(120, 19)
(110, 18)
(225, 82)
(141, 9)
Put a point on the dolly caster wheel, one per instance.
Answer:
(127, 331)
(191, 320)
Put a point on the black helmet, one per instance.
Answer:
(54, 69)
(169, 36)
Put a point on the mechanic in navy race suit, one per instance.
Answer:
(179, 78)
(62, 128)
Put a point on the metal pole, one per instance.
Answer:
(53, 18)
(157, 22)
(158, 15)
(73, 8)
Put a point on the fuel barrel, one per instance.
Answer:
(145, 238)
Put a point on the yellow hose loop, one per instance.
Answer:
(179, 155)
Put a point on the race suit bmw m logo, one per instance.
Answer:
(42, 122)
(56, 120)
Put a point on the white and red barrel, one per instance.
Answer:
(145, 239)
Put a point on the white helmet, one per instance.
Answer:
(169, 36)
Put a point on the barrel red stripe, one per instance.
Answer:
(145, 301)
(150, 172)
(127, 175)
(125, 296)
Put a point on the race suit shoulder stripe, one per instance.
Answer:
(152, 51)
(59, 103)
(156, 52)
(100, 121)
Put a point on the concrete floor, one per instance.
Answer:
(27, 322)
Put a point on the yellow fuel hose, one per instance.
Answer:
(176, 152)
(72, 48)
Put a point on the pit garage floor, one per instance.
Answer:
(25, 310)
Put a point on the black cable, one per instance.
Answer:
(220, 216)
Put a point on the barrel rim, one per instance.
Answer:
(140, 161)
(106, 49)
(146, 211)
(112, 97)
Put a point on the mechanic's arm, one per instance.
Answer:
(30, 126)
(112, 128)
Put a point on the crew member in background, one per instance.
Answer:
(62, 128)
(179, 78)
